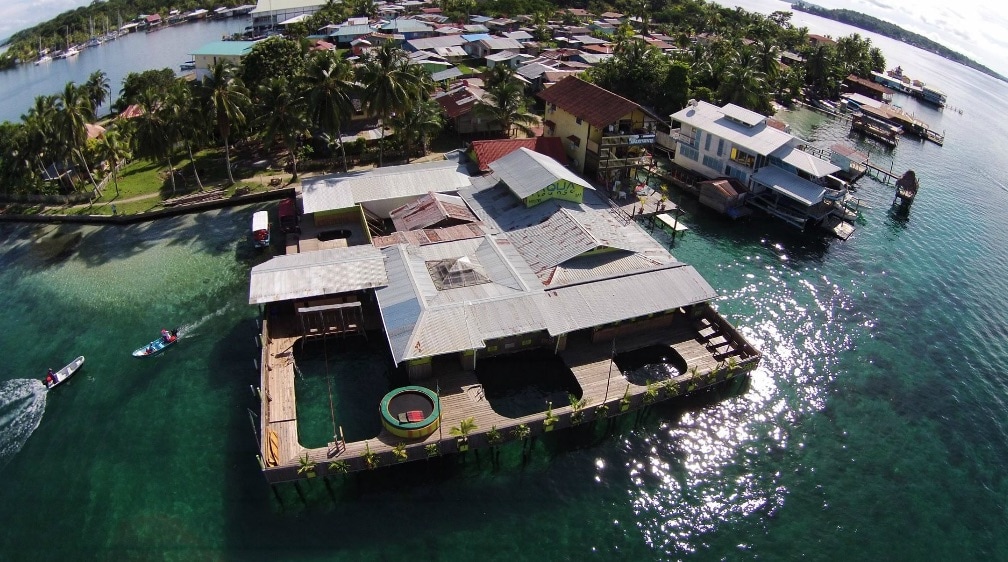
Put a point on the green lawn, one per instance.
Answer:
(144, 185)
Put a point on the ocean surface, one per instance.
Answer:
(874, 428)
(136, 52)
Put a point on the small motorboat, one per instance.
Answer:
(157, 346)
(52, 380)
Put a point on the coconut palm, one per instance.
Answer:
(191, 121)
(156, 132)
(282, 116)
(386, 86)
(329, 85)
(417, 125)
(40, 136)
(505, 104)
(73, 113)
(113, 149)
(225, 98)
(97, 89)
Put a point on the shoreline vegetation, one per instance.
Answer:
(892, 31)
(289, 105)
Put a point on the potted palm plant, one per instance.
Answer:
(624, 403)
(399, 451)
(577, 408)
(432, 450)
(462, 431)
(371, 459)
(551, 418)
(339, 467)
(307, 466)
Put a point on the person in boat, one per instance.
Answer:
(150, 349)
(49, 379)
(165, 335)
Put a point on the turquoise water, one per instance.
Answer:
(874, 428)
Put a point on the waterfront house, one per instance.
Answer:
(269, 13)
(856, 85)
(732, 141)
(230, 52)
(548, 266)
(605, 134)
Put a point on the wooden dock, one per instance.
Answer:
(713, 350)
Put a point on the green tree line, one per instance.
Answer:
(893, 31)
(282, 101)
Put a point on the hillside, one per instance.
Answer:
(892, 31)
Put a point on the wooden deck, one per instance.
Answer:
(707, 346)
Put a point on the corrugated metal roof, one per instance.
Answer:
(790, 185)
(808, 163)
(584, 305)
(324, 193)
(501, 43)
(760, 139)
(552, 242)
(267, 6)
(527, 172)
(324, 272)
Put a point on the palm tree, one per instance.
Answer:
(505, 104)
(418, 124)
(73, 113)
(156, 132)
(329, 85)
(113, 150)
(282, 115)
(386, 86)
(191, 121)
(97, 88)
(40, 125)
(225, 97)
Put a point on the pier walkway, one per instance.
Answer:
(713, 350)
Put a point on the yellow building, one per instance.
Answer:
(604, 134)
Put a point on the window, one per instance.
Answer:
(743, 158)
(720, 147)
(711, 162)
(707, 143)
(689, 152)
(578, 120)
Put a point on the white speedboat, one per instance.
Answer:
(52, 380)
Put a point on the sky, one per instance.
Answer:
(975, 28)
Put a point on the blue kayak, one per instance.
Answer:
(156, 346)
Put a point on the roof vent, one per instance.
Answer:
(693, 103)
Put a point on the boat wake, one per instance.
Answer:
(22, 403)
(190, 327)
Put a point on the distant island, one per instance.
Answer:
(884, 28)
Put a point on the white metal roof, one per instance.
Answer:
(760, 139)
(323, 272)
(742, 115)
(808, 163)
(324, 193)
(501, 43)
(527, 172)
(790, 185)
(272, 6)
(584, 305)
